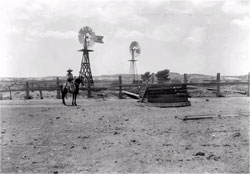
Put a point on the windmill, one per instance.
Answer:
(135, 51)
(87, 37)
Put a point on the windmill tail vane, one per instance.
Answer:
(98, 39)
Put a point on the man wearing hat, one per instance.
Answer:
(70, 78)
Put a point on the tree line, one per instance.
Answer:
(162, 76)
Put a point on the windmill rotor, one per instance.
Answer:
(86, 36)
(134, 49)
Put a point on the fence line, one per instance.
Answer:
(118, 85)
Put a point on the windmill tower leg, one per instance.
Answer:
(136, 74)
(131, 71)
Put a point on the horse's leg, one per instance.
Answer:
(76, 93)
(63, 96)
(75, 99)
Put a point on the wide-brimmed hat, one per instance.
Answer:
(69, 70)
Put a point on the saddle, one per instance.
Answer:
(70, 87)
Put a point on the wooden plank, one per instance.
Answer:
(167, 88)
(167, 96)
(130, 94)
(165, 85)
(47, 88)
(213, 89)
(168, 105)
(215, 83)
(167, 92)
(198, 117)
(166, 100)
(160, 100)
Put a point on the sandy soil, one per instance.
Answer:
(123, 136)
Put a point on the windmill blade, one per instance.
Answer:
(80, 38)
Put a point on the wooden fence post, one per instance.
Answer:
(248, 92)
(32, 87)
(58, 91)
(89, 89)
(185, 78)
(10, 93)
(218, 84)
(41, 93)
(153, 78)
(27, 91)
(120, 87)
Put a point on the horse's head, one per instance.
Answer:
(79, 80)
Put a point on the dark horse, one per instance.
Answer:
(73, 89)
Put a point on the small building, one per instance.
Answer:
(167, 95)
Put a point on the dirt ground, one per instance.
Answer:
(123, 136)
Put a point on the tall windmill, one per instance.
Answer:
(87, 37)
(135, 51)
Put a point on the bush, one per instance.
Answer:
(146, 76)
(162, 76)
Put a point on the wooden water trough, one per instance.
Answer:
(167, 95)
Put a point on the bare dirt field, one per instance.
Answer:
(123, 136)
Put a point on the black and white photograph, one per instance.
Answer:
(124, 86)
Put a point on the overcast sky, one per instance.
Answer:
(40, 37)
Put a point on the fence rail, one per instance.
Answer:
(119, 85)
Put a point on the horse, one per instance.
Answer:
(73, 89)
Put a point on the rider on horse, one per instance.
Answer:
(70, 78)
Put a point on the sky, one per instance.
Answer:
(40, 37)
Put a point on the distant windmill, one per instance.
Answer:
(88, 38)
(135, 51)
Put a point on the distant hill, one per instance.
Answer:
(173, 76)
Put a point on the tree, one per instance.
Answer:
(162, 76)
(146, 76)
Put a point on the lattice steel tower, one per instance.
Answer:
(85, 70)
(135, 51)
